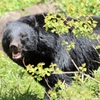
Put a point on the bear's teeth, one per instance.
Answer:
(16, 55)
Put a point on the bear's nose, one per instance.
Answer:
(13, 47)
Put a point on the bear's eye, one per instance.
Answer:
(23, 38)
(23, 35)
(9, 38)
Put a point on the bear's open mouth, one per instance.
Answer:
(16, 55)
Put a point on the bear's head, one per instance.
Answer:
(18, 37)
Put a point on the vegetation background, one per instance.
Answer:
(16, 84)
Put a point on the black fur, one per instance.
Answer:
(28, 36)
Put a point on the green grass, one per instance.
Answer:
(12, 5)
(16, 84)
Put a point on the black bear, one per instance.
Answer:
(27, 39)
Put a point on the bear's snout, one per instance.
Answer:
(13, 47)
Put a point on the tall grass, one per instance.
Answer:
(15, 83)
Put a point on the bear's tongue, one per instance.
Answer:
(16, 55)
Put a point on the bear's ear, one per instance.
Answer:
(33, 20)
(30, 20)
(40, 19)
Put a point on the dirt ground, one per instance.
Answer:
(35, 9)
